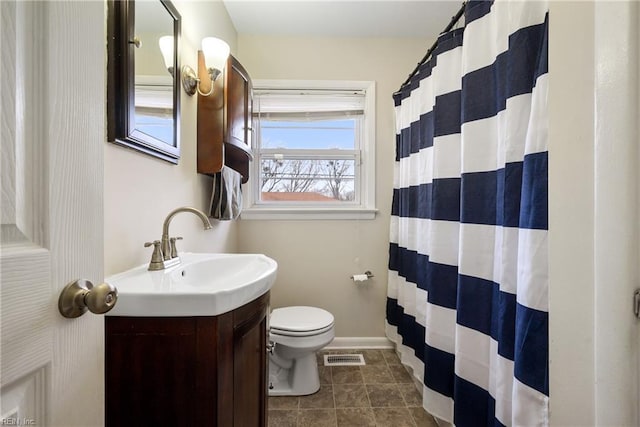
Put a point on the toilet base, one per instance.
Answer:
(300, 380)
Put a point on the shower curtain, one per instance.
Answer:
(467, 301)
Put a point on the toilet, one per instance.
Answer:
(297, 333)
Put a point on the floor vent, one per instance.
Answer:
(343, 360)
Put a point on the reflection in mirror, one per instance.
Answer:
(143, 76)
(153, 80)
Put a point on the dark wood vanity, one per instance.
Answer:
(224, 121)
(188, 371)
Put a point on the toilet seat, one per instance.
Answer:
(300, 321)
(300, 333)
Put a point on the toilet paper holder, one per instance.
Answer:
(367, 273)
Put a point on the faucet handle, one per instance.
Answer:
(156, 257)
(172, 245)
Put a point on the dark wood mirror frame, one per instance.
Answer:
(121, 82)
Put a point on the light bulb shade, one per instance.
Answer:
(216, 52)
(166, 47)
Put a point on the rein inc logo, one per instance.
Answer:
(15, 421)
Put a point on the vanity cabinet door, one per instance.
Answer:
(250, 364)
(151, 370)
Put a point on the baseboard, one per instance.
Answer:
(359, 342)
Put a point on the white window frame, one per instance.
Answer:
(364, 205)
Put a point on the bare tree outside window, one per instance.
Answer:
(339, 175)
(333, 179)
(293, 176)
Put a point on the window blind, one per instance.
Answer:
(274, 104)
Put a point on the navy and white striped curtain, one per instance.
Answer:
(467, 300)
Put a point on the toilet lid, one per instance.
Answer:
(300, 319)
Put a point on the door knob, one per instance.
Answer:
(80, 295)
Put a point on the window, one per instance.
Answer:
(313, 145)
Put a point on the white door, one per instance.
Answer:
(52, 92)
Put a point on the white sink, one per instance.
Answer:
(202, 285)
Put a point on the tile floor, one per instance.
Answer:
(381, 393)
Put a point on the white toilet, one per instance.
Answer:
(297, 333)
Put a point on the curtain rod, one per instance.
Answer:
(453, 22)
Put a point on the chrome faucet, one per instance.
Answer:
(165, 254)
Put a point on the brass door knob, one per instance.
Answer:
(80, 295)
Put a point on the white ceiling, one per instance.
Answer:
(342, 18)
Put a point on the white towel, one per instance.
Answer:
(226, 198)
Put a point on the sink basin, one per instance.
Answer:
(202, 285)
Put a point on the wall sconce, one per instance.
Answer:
(215, 52)
(166, 48)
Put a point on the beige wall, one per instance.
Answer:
(593, 213)
(140, 190)
(571, 244)
(316, 258)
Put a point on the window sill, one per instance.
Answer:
(290, 213)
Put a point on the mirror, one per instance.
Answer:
(143, 98)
